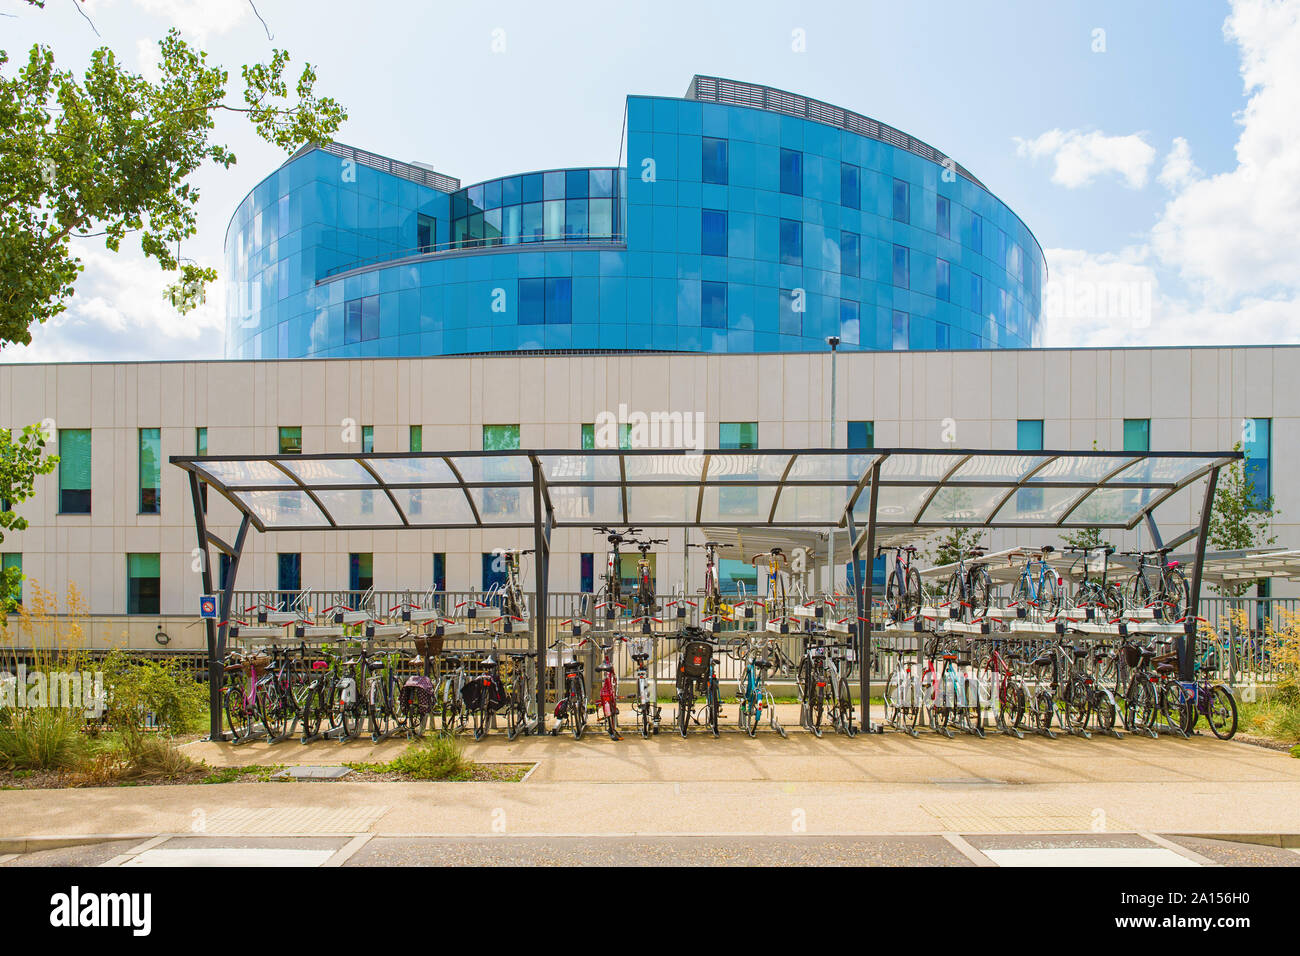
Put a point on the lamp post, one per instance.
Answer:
(834, 342)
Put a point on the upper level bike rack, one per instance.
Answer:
(874, 495)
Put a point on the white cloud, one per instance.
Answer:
(1081, 157)
(199, 18)
(1178, 171)
(119, 312)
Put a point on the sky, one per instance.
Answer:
(1150, 147)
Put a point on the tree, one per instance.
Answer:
(1240, 517)
(112, 154)
(21, 460)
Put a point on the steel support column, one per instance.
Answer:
(863, 595)
(215, 667)
(1187, 660)
(541, 619)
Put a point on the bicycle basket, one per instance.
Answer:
(557, 656)
(697, 656)
(1132, 655)
(429, 645)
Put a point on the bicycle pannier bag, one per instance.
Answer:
(420, 690)
(696, 658)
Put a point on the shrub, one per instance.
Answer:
(436, 758)
(140, 687)
(41, 738)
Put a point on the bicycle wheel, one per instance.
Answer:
(1044, 707)
(1176, 594)
(344, 715)
(1049, 595)
(974, 703)
(715, 704)
(1174, 702)
(1138, 591)
(479, 717)
(578, 709)
(268, 707)
(1103, 708)
(235, 704)
(1077, 706)
(815, 695)
(954, 595)
(979, 590)
(845, 707)
(313, 710)
(1139, 708)
(912, 595)
(894, 600)
(685, 706)
(1011, 705)
(1222, 715)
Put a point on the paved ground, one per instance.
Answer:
(874, 798)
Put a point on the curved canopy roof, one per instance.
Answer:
(817, 488)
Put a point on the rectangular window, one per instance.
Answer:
(588, 437)
(13, 561)
(74, 471)
(849, 322)
(143, 584)
(791, 242)
(902, 202)
(417, 438)
(440, 571)
(862, 436)
(500, 437)
(941, 336)
(587, 572)
(1257, 442)
(361, 574)
(713, 305)
(1029, 437)
(713, 232)
(290, 439)
(902, 268)
(901, 329)
(713, 161)
(201, 448)
(361, 320)
(532, 301)
(575, 219)
(288, 577)
(943, 217)
(977, 233)
(282, 215)
(976, 294)
(850, 254)
(738, 435)
(150, 471)
(367, 439)
(426, 232)
(850, 187)
(942, 280)
(791, 172)
(559, 301)
(494, 571)
(1137, 434)
(792, 309)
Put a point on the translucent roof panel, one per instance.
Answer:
(830, 467)
(503, 505)
(412, 471)
(911, 467)
(1001, 468)
(353, 506)
(432, 507)
(744, 505)
(1161, 470)
(963, 505)
(814, 503)
(494, 468)
(684, 466)
(894, 504)
(1041, 504)
(602, 505)
(559, 468)
(241, 474)
(647, 504)
(741, 466)
(1084, 468)
(329, 471)
(292, 509)
(1113, 505)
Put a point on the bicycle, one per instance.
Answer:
(903, 595)
(521, 703)
(571, 708)
(759, 653)
(1098, 593)
(1158, 581)
(999, 672)
(970, 588)
(946, 692)
(776, 603)
(697, 676)
(1213, 701)
(1039, 586)
(646, 706)
(485, 694)
(645, 585)
(902, 692)
(510, 595)
(607, 705)
(612, 590)
(712, 591)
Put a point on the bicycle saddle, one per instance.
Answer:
(1047, 549)
(1164, 670)
(1042, 660)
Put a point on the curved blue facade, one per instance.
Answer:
(730, 228)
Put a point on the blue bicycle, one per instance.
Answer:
(1039, 586)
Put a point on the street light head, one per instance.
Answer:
(833, 341)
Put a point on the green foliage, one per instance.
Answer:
(1239, 519)
(439, 757)
(138, 687)
(21, 460)
(111, 153)
(953, 543)
(41, 738)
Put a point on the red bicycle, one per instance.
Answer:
(608, 703)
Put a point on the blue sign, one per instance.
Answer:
(208, 605)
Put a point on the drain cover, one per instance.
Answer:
(313, 773)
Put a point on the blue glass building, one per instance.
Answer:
(743, 219)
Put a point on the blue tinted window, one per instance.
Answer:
(532, 301)
(586, 572)
(494, 571)
(943, 217)
(1029, 434)
(713, 232)
(553, 185)
(849, 322)
(941, 336)
(559, 301)
(976, 294)
(977, 233)
(370, 318)
(492, 195)
(575, 219)
(792, 172)
(1257, 435)
(862, 435)
(900, 329)
(902, 202)
(282, 215)
(713, 160)
(713, 305)
(601, 183)
(351, 321)
(1002, 249)
(791, 242)
(942, 280)
(850, 255)
(534, 227)
(533, 188)
(1137, 434)
(792, 309)
(512, 191)
(901, 269)
(426, 234)
(850, 190)
(575, 184)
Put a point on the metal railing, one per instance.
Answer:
(394, 167)
(476, 246)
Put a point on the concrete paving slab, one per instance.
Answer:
(1094, 856)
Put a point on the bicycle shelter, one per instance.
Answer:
(868, 493)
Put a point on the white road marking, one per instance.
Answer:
(229, 856)
(962, 846)
(1087, 856)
